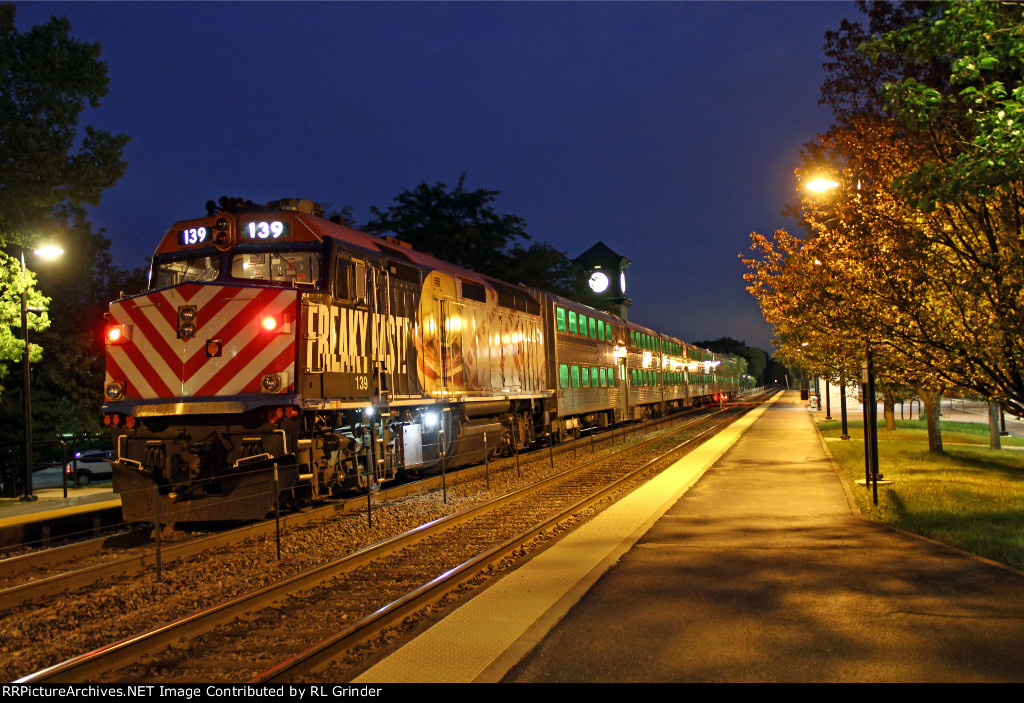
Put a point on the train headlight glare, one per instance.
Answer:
(430, 420)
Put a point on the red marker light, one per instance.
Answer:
(114, 335)
(269, 323)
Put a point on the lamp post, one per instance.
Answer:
(47, 252)
(871, 475)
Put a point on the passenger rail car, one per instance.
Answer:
(276, 349)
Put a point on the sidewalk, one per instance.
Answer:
(760, 572)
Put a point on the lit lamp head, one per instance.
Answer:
(48, 252)
(821, 185)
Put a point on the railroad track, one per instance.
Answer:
(361, 594)
(41, 574)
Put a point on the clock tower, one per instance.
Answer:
(605, 279)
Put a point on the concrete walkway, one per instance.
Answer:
(760, 572)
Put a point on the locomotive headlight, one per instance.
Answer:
(271, 383)
(114, 391)
(119, 334)
(278, 323)
(429, 420)
(186, 321)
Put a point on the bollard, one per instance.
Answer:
(157, 530)
(515, 446)
(487, 463)
(551, 450)
(277, 510)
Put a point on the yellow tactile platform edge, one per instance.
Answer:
(58, 512)
(483, 639)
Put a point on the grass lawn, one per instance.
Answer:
(971, 497)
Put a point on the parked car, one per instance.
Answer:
(92, 466)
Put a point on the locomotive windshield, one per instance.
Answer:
(271, 266)
(194, 268)
(284, 266)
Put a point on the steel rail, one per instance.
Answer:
(370, 627)
(116, 655)
(42, 588)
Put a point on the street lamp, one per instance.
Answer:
(46, 252)
(871, 475)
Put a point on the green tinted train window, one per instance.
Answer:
(575, 376)
(563, 375)
(593, 328)
(600, 329)
(608, 332)
(560, 319)
(583, 325)
(572, 322)
(594, 377)
(586, 377)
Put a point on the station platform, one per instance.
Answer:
(52, 515)
(744, 562)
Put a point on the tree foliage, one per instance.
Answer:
(919, 251)
(756, 358)
(48, 80)
(67, 381)
(49, 168)
(462, 227)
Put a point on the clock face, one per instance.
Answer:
(598, 282)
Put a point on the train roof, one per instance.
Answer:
(306, 224)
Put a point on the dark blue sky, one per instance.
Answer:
(669, 131)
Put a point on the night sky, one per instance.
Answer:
(669, 131)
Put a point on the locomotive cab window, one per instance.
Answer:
(193, 268)
(350, 280)
(277, 266)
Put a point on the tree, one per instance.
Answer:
(48, 80)
(970, 183)
(46, 163)
(11, 283)
(67, 381)
(461, 227)
(921, 247)
(755, 357)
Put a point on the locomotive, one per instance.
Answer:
(279, 353)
